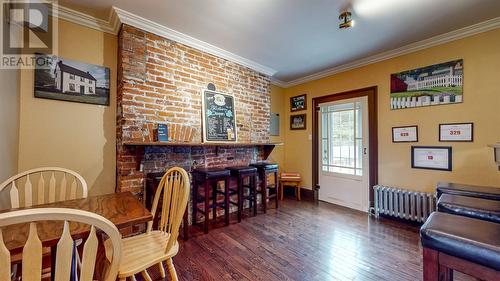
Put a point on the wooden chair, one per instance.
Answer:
(155, 246)
(290, 179)
(63, 184)
(32, 251)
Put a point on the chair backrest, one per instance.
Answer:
(49, 184)
(32, 251)
(174, 190)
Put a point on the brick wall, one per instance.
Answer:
(160, 81)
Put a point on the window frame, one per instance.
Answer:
(328, 111)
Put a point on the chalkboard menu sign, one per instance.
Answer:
(219, 120)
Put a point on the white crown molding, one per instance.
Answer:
(158, 29)
(118, 16)
(279, 83)
(413, 47)
(112, 25)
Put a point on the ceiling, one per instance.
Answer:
(301, 37)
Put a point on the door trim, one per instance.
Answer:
(371, 93)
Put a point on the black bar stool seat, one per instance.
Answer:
(208, 178)
(265, 165)
(241, 173)
(264, 169)
(477, 208)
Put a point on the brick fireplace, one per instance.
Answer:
(160, 81)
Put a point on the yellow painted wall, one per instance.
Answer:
(278, 105)
(81, 137)
(9, 122)
(472, 162)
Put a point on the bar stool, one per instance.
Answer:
(241, 173)
(208, 179)
(264, 169)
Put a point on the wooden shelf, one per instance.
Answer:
(139, 146)
(239, 144)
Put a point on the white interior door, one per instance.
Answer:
(343, 149)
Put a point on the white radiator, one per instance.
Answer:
(404, 204)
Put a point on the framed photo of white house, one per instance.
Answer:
(456, 132)
(219, 117)
(405, 134)
(298, 122)
(430, 85)
(431, 157)
(67, 80)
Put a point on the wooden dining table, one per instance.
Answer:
(124, 210)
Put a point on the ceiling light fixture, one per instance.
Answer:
(346, 20)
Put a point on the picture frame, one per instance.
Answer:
(73, 81)
(437, 84)
(405, 134)
(298, 103)
(431, 157)
(218, 109)
(298, 122)
(456, 132)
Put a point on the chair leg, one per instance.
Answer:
(207, 207)
(146, 276)
(171, 269)
(133, 278)
(226, 200)
(445, 274)
(161, 269)
(281, 190)
(263, 190)
(431, 265)
(298, 191)
(276, 189)
(240, 198)
(254, 195)
(214, 200)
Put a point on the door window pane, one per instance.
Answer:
(342, 143)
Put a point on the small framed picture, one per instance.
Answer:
(298, 122)
(456, 132)
(405, 134)
(298, 103)
(431, 157)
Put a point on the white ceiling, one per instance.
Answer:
(301, 37)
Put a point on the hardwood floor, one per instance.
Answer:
(305, 241)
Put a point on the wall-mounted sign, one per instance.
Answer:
(298, 103)
(456, 132)
(162, 132)
(405, 134)
(219, 119)
(431, 157)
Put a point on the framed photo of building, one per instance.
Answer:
(431, 85)
(68, 80)
(405, 134)
(298, 103)
(431, 157)
(456, 132)
(298, 122)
